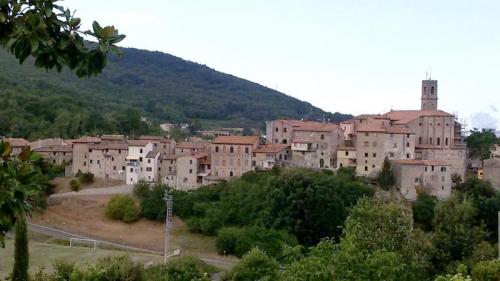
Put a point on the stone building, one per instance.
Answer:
(192, 147)
(43, 143)
(430, 176)
(161, 144)
(167, 166)
(17, 145)
(346, 156)
(491, 172)
(268, 155)
(232, 156)
(57, 154)
(81, 153)
(140, 162)
(190, 172)
(107, 160)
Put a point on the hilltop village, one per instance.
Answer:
(426, 148)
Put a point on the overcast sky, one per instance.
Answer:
(349, 56)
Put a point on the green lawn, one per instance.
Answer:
(42, 255)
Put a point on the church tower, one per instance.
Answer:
(429, 95)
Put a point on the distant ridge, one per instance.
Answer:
(158, 86)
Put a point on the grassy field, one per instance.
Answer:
(43, 255)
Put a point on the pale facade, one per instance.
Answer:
(137, 162)
(268, 155)
(57, 154)
(161, 144)
(81, 153)
(491, 172)
(167, 165)
(232, 156)
(346, 157)
(108, 160)
(430, 176)
(43, 143)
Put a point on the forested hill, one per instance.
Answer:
(161, 87)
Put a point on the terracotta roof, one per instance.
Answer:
(113, 146)
(190, 144)
(87, 139)
(55, 148)
(406, 116)
(236, 140)
(271, 148)
(69, 141)
(422, 162)
(138, 142)
(17, 142)
(113, 137)
(370, 128)
(151, 154)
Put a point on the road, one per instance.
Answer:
(61, 234)
(120, 189)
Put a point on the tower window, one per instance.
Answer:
(432, 90)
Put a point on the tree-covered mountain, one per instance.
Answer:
(159, 86)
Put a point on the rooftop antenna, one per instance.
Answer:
(430, 72)
(426, 75)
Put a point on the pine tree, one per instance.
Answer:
(386, 176)
(21, 255)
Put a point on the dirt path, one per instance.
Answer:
(120, 189)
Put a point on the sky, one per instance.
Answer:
(351, 56)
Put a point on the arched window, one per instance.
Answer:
(321, 163)
(231, 173)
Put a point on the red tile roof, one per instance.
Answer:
(17, 142)
(112, 146)
(190, 145)
(271, 148)
(406, 116)
(370, 128)
(87, 139)
(236, 140)
(138, 142)
(55, 148)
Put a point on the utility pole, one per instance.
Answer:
(498, 235)
(168, 219)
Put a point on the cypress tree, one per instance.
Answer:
(21, 255)
(386, 176)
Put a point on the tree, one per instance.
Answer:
(423, 210)
(51, 34)
(255, 265)
(386, 176)
(380, 244)
(21, 255)
(481, 143)
(455, 232)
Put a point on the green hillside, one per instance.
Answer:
(161, 87)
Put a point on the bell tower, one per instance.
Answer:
(429, 94)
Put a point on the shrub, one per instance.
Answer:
(185, 268)
(85, 178)
(142, 190)
(255, 265)
(74, 185)
(486, 271)
(423, 210)
(122, 207)
(115, 268)
(238, 241)
(153, 205)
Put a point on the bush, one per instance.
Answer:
(423, 210)
(122, 207)
(255, 265)
(486, 271)
(153, 205)
(142, 189)
(74, 185)
(115, 268)
(185, 268)
(85, 178)
(238, 241)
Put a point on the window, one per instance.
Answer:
(438, 141)
(407, 155)
(275, 140)
(231, 149)
(430, 140)
(276, 129)
(322, 137)
(432, 168)
(420, 140)
(149, 161)
(140, 159)
(366, 154)
(170, 169)
(231, 173)
(90, 150)
(407, 135)
(374, 155)
(439, 124)
(98, 161)
(446, 141)
(155, 144)
(114, 168)
(347, 153)
(90, 161)
(131, 170)
(216, 149)
(432, 90)
(119, 151)
(284, 130)
(140, 150)
(367, 144)
(407, 144)
(391, 154)
(164, 146)
(112, 159)
(149, 169)
(443, 169)
(366, 168)
(190, 171)
(246, 150)
(417, 180)
(123, 168)
(425, 168)
(190, 162)
(373, 166)
(367, 134)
